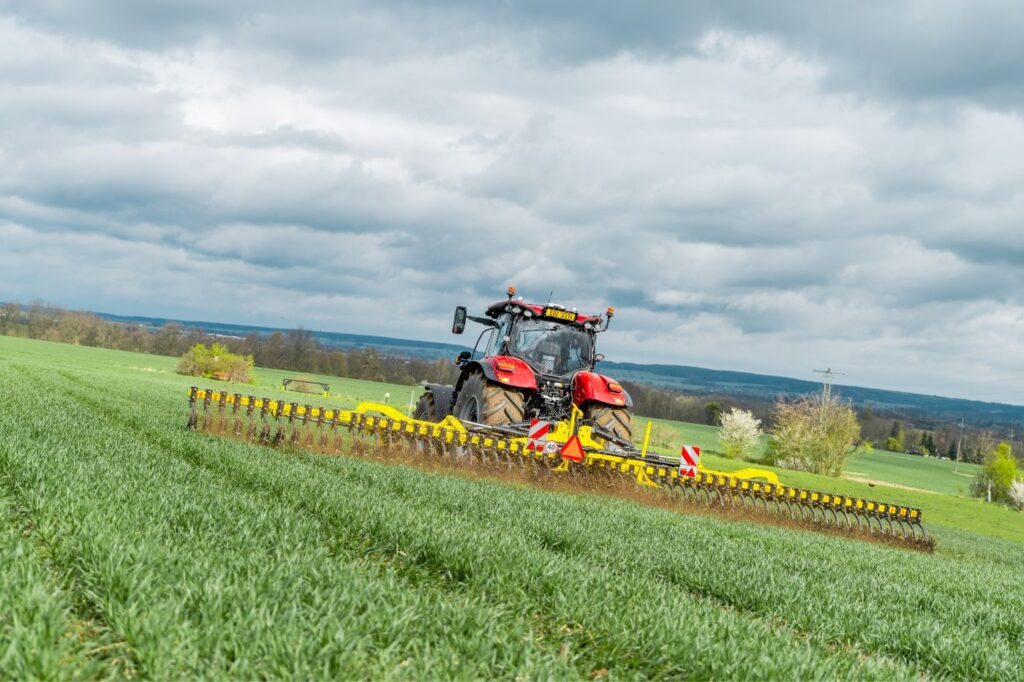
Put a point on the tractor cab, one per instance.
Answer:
(553, 341)
(550, 347)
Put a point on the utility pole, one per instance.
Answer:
(826, 382)
(956, 466)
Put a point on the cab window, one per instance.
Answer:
(495, 342)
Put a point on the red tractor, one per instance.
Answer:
(536, 362)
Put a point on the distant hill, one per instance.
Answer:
(699, 380)
(386, 345)
(928, 408)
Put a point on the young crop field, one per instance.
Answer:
(132, 548)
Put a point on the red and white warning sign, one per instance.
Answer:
(688, 461)
(537, 437)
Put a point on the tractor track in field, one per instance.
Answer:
(86, 623)
(89, 621)
(428, 571)
(859, 478)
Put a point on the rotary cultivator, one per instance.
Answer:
(531, 407)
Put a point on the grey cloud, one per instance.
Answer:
(914, 50)
(142, 25)
(961, 49)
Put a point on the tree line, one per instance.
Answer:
(941, 440)
(296, 350)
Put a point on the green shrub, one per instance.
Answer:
(998, 475)
(216, 362)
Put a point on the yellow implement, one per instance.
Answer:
(275, 422)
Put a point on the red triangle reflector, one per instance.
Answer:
(573, 450)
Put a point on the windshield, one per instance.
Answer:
(551, 347)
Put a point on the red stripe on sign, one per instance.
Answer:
(539, 429)
(690, 455)
(538, 434)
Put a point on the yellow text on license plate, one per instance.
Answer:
(566, 315)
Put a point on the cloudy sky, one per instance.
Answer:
(819, 184)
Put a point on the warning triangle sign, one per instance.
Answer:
(573, 450)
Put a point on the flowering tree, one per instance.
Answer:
(740, 432)
(1017, 495)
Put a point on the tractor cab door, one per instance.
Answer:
(499, 334)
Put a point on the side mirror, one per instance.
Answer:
(599, 357)
(459, 325)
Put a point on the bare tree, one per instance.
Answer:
(10, 318)
(815, 433)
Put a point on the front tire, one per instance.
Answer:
(483, 402)
(614, 420)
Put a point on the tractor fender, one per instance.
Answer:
(442, 400)
(502, 369)
(510, 371)
(591, 386)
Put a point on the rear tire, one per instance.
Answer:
(484, 402)
(425, 408)
(614, 420)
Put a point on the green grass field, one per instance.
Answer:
(926, 473)
(132, 548)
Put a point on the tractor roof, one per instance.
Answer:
(498, 308)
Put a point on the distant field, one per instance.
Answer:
(132, 548)
(927, 473)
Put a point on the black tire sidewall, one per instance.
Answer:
(594, 411)
(472, 389)
(425, 408)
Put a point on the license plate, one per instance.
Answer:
(557, 314)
